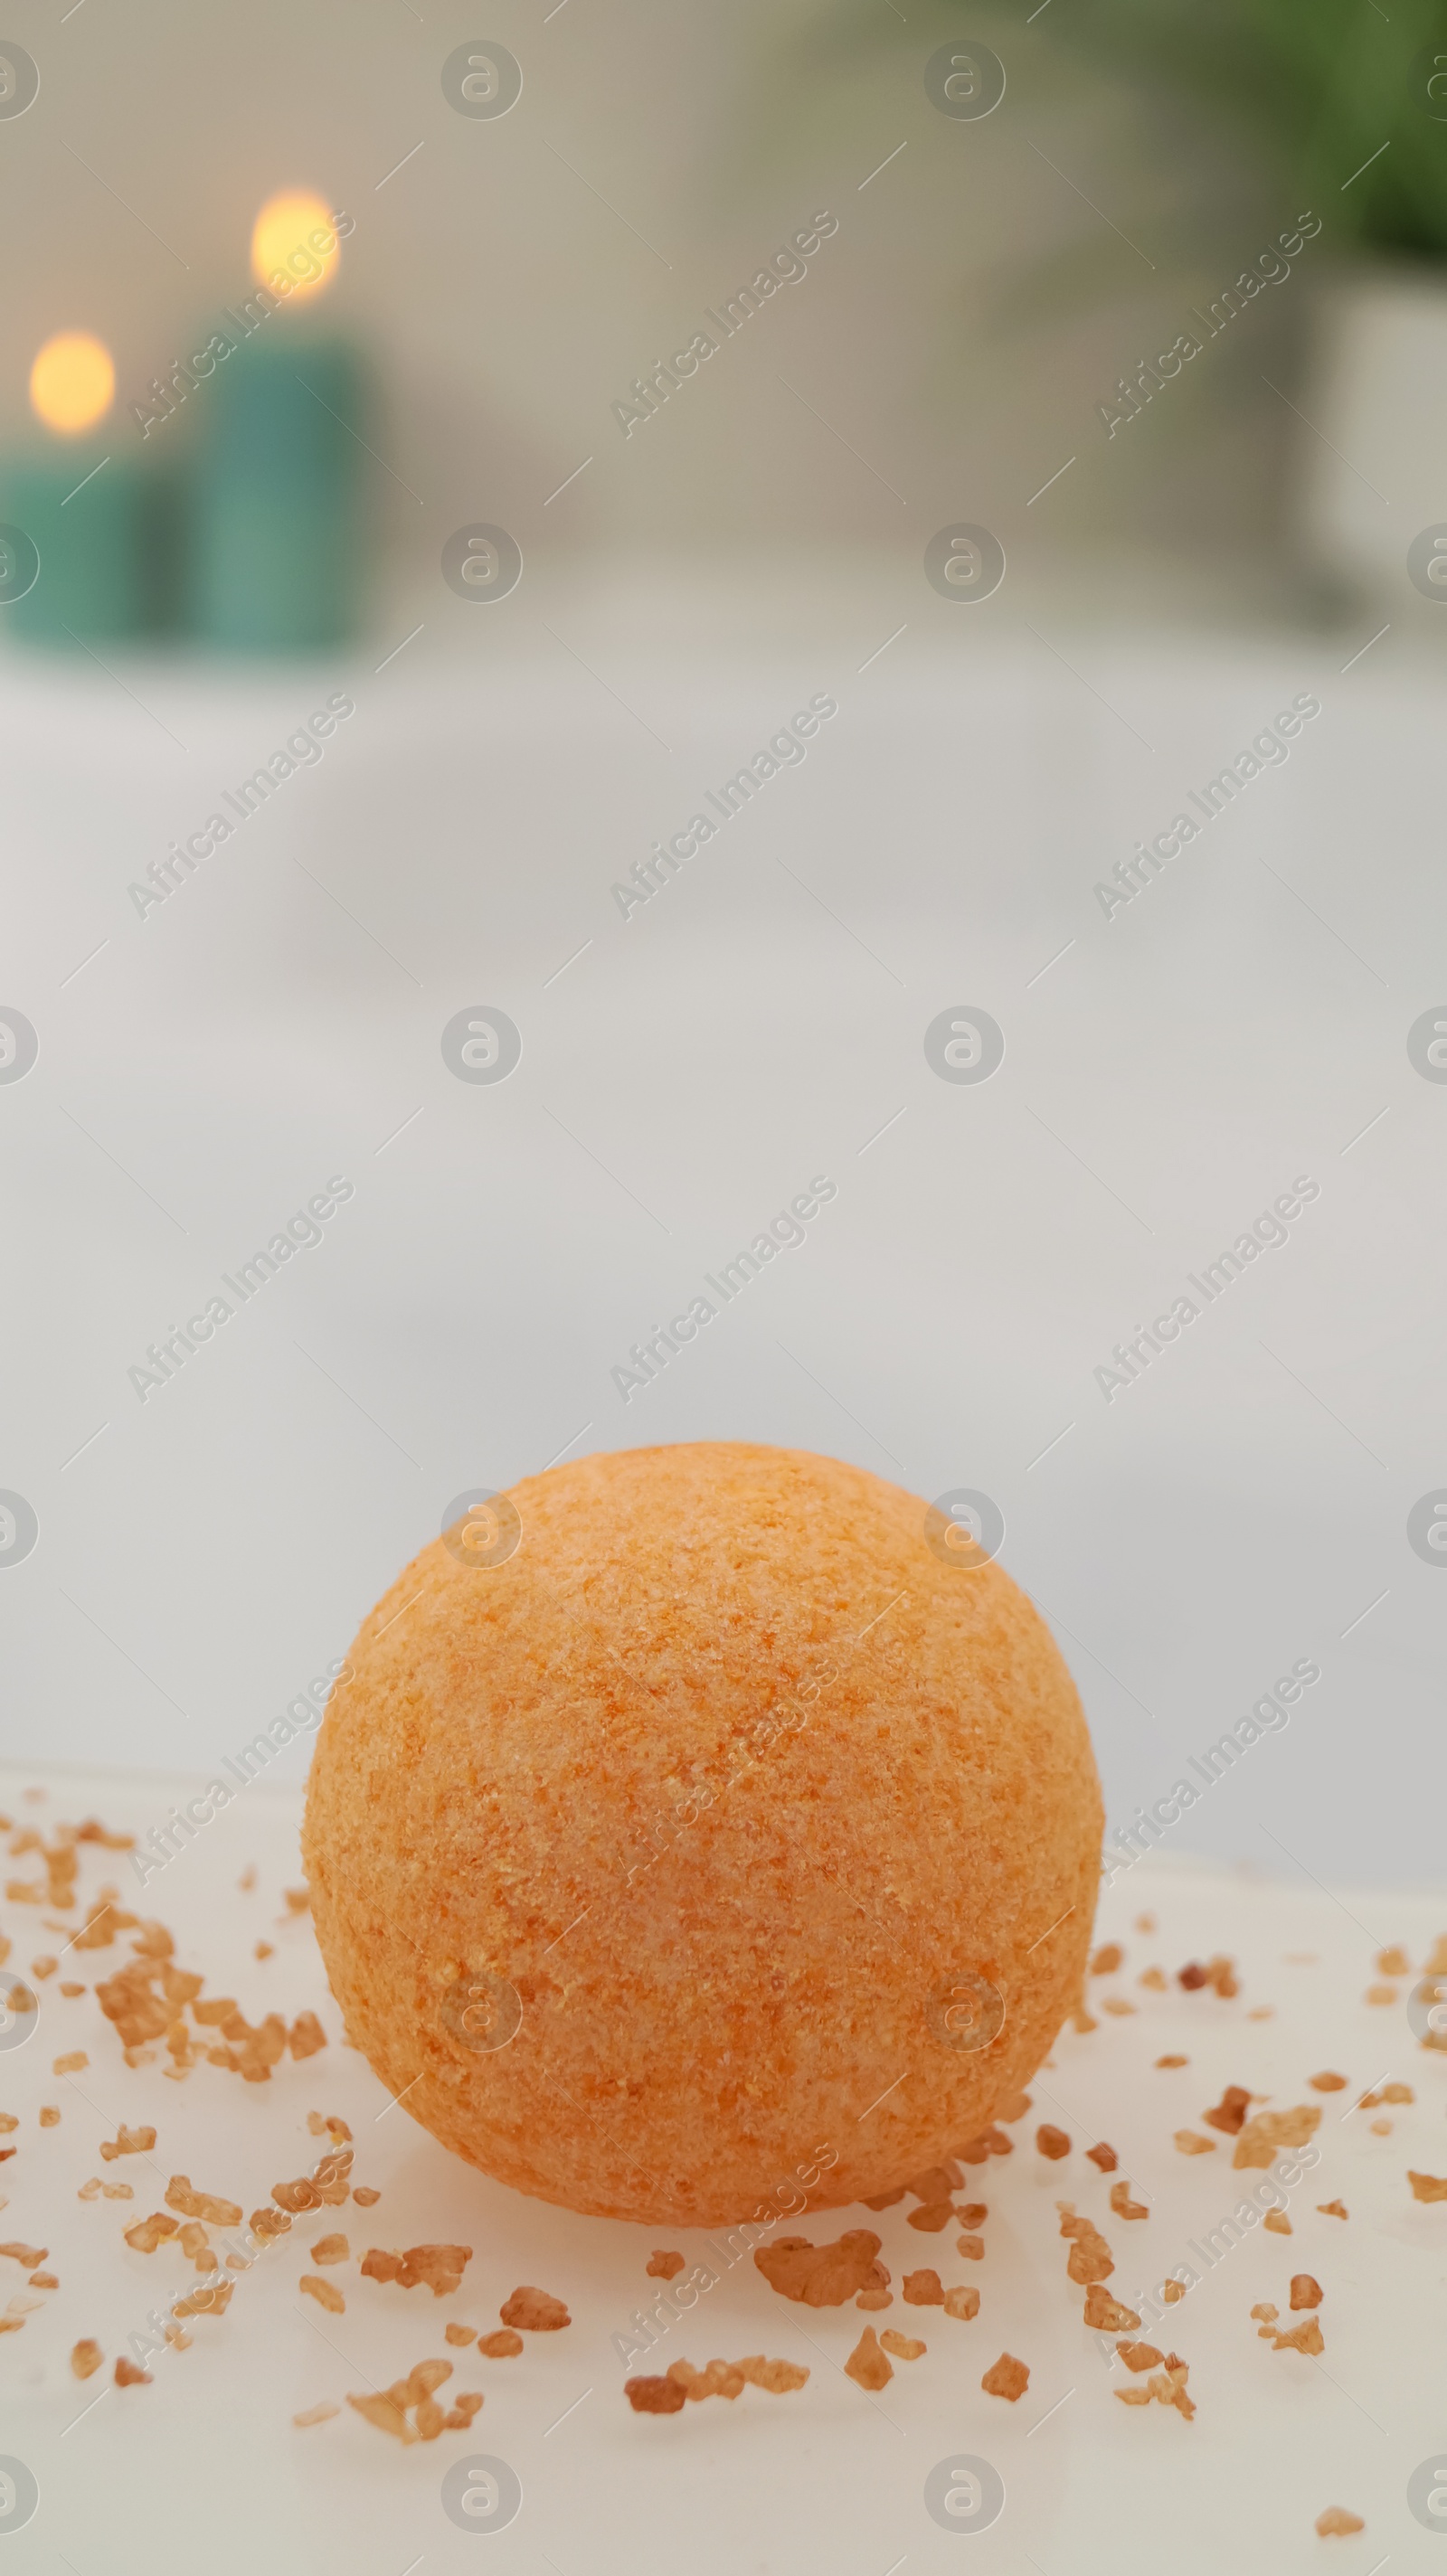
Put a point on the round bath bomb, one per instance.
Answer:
(704, 1830)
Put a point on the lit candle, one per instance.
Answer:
(76, 507)
(276, 556)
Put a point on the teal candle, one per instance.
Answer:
(275, 545)
(93, 522)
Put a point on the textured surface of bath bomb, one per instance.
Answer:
(731, 1842)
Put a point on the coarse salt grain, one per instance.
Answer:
(150, 2232)
(1006, 2377)
(1229, 2113)
(440, 2267)
(1090, 2257)
(1307, 2337)
(129, 2142)
(1262, 2138)
(1108, 2315)
(936, 2183)
(823, 2276)
(778, 2378)
(922, 2289)
(535, 2311)
(211, 2301)
(206, 2205)
(653, 2396)
(990, 2142)
(322, 2124)
(379, 2410)
(867, 2366)
(717, 2379)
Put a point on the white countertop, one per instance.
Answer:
(827, 2478)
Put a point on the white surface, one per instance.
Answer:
(206, 2460)
(201, 1556)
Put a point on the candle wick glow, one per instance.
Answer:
(294, 244)
(72, 382)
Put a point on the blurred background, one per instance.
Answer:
(488, 433)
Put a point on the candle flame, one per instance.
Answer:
(294, 241)
(73, 382)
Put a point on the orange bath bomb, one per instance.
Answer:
(704, 1831)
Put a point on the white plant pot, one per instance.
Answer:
(1376, 472)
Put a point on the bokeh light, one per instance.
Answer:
(288, 235)
(73, 382)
